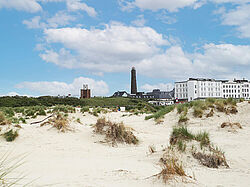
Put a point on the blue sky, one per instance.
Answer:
(51, 47)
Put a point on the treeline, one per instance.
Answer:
(20, 101)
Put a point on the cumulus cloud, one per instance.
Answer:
(75, 5)
(61, 18)
(98, 88)
(169, 5)
(240, 18)
(111, 49)
(161, 86)
(218, 61)
(22, 5)
(117, 48)
(230, 1)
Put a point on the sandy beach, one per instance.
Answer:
(80, 158)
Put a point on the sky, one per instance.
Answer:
(53, 47)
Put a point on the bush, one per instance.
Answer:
(10, 135)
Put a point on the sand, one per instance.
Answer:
(79, 159)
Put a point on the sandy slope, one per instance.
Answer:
(79, 159)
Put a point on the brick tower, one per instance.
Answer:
(85, 92)
(133, 81)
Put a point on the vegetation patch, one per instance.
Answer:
(59, 122)
(3, 120)
(198, 112)
(183, 119)
(10, 135)
(180, 133)
(211, 160)
(161, 113)
(171, 167)
(209, 157)
(115, 132)
(64, 108)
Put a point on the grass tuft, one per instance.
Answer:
(59, 122)
(115, 132)
(171, 167)
(180, 133)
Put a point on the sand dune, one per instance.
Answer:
(79, 159)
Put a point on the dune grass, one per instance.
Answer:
(210, 157)
(7, 167)
(60, 122)
(115, 132)
(161, 113)
(171, 168)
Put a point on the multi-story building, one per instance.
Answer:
(193, 89)
(236, 89)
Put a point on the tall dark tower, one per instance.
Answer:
(133, 81)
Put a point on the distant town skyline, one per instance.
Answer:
(51, 47)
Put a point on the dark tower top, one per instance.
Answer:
(133, 81)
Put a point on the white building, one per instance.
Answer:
(236, 89)
(193, 89)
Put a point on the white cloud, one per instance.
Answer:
(170, 5)
(22, 5)
(117, 48)
(61, 18)
(140, 21)
(74, 5)
(230, 1)
(112, 49)
(161, 86)
(218, 61)
(240, 18)
(54, 88)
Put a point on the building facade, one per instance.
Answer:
(193, 89)
(85, 92)
(236, 89)
(158, 94)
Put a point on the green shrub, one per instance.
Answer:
(10, 135)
